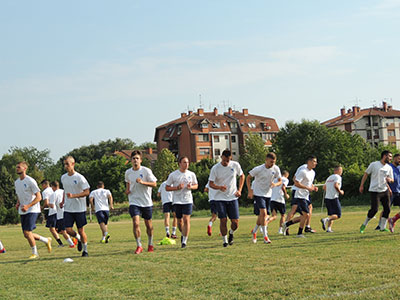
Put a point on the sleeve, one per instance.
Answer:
(160, 187)
(194, 178)
(370, 168)
(285, 182)
(127, 176)
(84, 183)
(170, 179)
(239, 169)
(254, 172)
(212, 176)
(108, 193)
(35, 188)
(150, 176)
(91, 195)
(52, 199)
(300, 175)
(391, 173)
(278, 173)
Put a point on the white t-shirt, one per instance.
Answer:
(221, 175)
(56, 199)
(306, 177)
(331, 192)
(183, 196)
(74, 184)
(46, 193)
(52, 199)
(166, 197)
(263, 177)
(26, 190)
(140, 195)
(211, 192)
(277, 193)
(379, 173)
(100, 197)
(294, 188)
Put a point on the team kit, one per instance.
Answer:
(266, 185)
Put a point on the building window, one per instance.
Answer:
(179, 129)
(369, 134)
(227, 137)
(233, 125)
(204, 138)
(216, 125)
(233, 138)
(204, 151)
(376, 133)
(216, 138)
(217, 152)
(234, 153)
(204, 125)
(391, 133)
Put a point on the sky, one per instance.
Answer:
(79, 72)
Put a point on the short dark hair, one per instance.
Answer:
(181, 158)
(396, 155)
(271, 155)
(45, 181)
(100, 184)
(136, 152)
(226, 153)
(337, 167)
(311, 157)
(55, 184)
(385, 152)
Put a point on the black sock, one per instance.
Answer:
(300, 231)
(289, 223)
(59, 242)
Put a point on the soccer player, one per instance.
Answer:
(49, 201)
(381, 174)
(76, 189)
(333, 189)
(304, 179)
(103, 201)
(181, 182)
(46, 193)
(54, 203)
(223, 176)
(278, 203)
(395, 189)
(139, 183)
(28, 205)
(2, 249)
(166, 200)
(213, 208)
(264, 176)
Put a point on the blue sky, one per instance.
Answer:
(76, 73)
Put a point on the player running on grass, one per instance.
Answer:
(223, 176)
(278, 203)
(103, 201)
(181, 182)
(264, 176)
(28, 205)
(166, 200)
(139, 183)
(332, 189)
(395, 189)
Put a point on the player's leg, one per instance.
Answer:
(304, 216)
(308, 221)
(166, 211)
(51, 223)
(174, 225)
(213, 217)
(385, 200)
(258, 224)
(372, 211)
(232, 210)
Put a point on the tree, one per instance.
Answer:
(165, 164)
(253, 152)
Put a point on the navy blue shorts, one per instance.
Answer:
(60, 225)
(51, 221)
(395, 199)
(302, 205)
(102, 216)
(183, 209)
(167, 208)
(146, 212)
(278, 207)
(228, 208)
(28, 221)
(213, 207)
(79, 218)
(334, 207)
(262, 203)
(292, 200)
(256, 209)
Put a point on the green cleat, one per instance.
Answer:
(362, 228)
(384, 230)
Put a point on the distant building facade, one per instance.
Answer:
(201, 134)
(374, 124)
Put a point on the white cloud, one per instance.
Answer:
(308, 55)
(384, 8)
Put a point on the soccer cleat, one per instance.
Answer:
(323, 223)
(48, 244)
(79, 246)
(75, 241)
(34, 256)
(362, 228)
(230, 239)
(267, 240)
(167, 234)
(254, 237)
(85, 254)
(280, 231)
(72, 246)
(300, 236)
(209, 231)
(225, 245)
(107, 238)
(173, 236)
(61, 246)
(309, 230)
(391, 225)
(384, 230)
(139, 250)
(3, 250)
(150, 248)
(183, 246)
(329, 230)
(285, 229)
(378, 227)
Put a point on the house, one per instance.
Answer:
(201, 134)
(149, 154)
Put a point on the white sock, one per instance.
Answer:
(366, 221)
(280, 229)
(329, 228)
(225, 239)
(326, 219)
(43, 239)
(308, 226)
(34, 250)
(167, 229)
(78, 236)
(256, 228)
(261, 229)
(150, 240)
(210, 223)
(231, 231)
(184, 239)
(1, 246)
(105, 234)
(84, 248)
(138, 242)
(173, 230)
(382, 223)
(70, 242)
(264, 229)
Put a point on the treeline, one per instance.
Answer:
(292, 145)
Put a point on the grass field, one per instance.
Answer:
(340, 265)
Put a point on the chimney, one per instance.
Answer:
(190, 112)
(183, 115)
(349, 111)
(390, 107)
(200, 112)
(149, 150)
(356, 110)
(245, 112)
(384, 106)
(342, 111)
(230, 111)
(215, 111)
